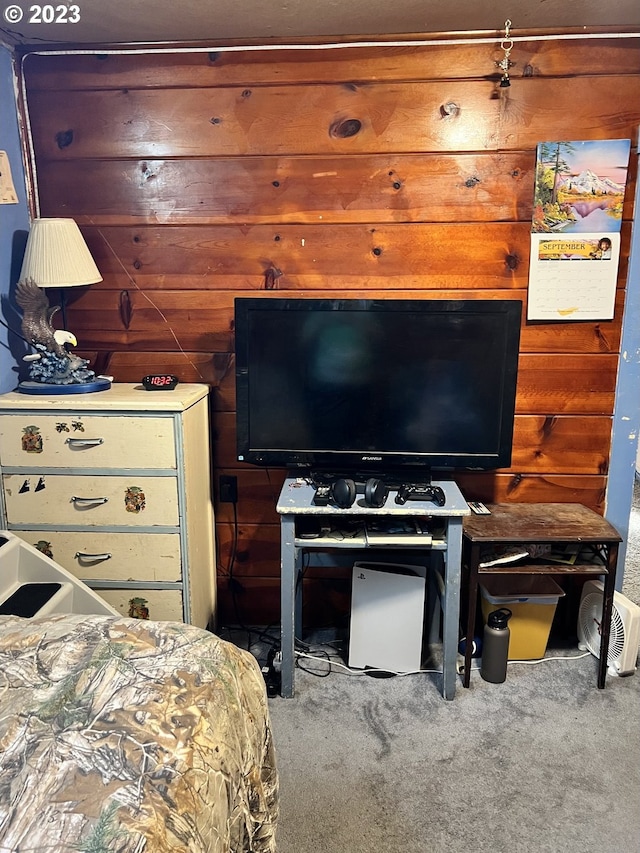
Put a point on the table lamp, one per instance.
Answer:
(56, 255)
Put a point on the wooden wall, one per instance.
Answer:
(197, 177)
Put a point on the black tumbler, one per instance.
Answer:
(495, 646)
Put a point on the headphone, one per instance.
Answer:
(343, 492)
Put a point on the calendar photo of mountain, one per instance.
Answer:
(580, 186)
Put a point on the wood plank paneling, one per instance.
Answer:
(567, 384)
(168, 70)
(386, 257)
(256, 190)
(158, 318)
(531, 488)
(257, 551)
(395, 172)
(458, 115)
(542, 444)
(563, 444)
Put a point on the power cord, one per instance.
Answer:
(544, 660)
(460, 662)
(271, 675)
(344, 669)
(328, 659)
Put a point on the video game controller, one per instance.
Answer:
(408, 492)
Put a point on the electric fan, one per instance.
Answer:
(624, 638)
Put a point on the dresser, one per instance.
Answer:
(115, 486)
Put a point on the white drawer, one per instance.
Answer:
(111, 556)
(164, 605)
(86, 441)
(91, 501)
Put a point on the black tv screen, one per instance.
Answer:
(376, 386)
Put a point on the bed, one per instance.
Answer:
(129, 735)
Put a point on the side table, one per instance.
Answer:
(296, 502)
(529, 524)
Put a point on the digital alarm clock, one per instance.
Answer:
(159, 382)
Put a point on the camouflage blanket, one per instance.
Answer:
(129, 735)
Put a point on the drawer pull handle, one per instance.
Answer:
(84, 442)
(92, 558)
(81, 502)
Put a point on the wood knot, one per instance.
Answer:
(147, 173)
(270, 278)
(514, 483)
(214, 55)
(344, 128)
(377, 251)
(126, 309)
(471, 182)
(548, 425)
(512, 261)
(449, 110)
(64, 138)
(603, 341)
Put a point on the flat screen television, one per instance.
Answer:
(375, 386)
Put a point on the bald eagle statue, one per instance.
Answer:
(51, 363)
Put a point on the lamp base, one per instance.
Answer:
(47, 388)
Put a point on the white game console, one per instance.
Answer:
(387, 616)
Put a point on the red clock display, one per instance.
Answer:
(159, 382)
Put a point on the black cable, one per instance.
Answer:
(262, 634)
(17, 334)
(232, 582)
(311, 671)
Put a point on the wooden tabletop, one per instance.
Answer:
(542, 522)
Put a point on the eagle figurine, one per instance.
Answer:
(51, 363)
(37, 315)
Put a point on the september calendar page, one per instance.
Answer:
(575, 239)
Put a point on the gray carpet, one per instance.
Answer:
(545, 762)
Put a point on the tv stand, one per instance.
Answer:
(436, 528)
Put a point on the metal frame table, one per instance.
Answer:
(296, 500)
(524, 524)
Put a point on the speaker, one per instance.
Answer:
(344, 491)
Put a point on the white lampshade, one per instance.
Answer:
(57, 255)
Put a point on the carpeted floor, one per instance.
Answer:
(543, 763)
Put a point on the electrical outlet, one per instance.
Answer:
(228, 486)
